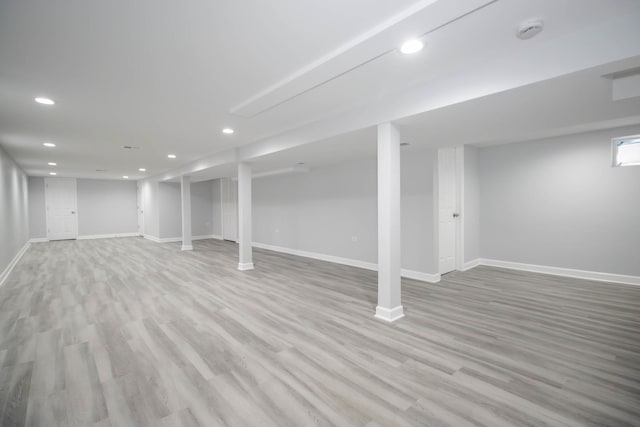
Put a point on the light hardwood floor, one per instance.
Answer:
(127, 332)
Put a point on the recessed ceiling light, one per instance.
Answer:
(45, 101)
(48, 144)
(411, 46)
(125, 176)
(228, 131)
(52, 164)
(52, 173)
(171, 156)
(142, 170)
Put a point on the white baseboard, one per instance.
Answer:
(187, 247)
(410, 274)
(107, 236)
(471, 264)
(418, 275)
(179, 239)
(13, 263)
(389, 314)
(318, 256)
(566, 272)
(39, 240)
(244, 266)
(207, 236)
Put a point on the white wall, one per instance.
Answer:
(37, 208)
(216, 197)
(150, 212)
(14, 215)
(202, 212)
(321, 211)
(169, 210)
(106, 207)
(471, 214)
(558, 202)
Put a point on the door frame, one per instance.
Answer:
(46, 203)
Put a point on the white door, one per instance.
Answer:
(447, 209)
(229, 209)
(61, 200)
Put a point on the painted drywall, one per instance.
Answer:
(169, 210)
(106, 207)
(37, 208)
(471, 214)
(202, 208)
(150, 213)
(216, 197)
(559, 202)
(333, 211)
(14, 211)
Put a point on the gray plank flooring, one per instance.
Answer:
(127, 332)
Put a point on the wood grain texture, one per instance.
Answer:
(127, 332)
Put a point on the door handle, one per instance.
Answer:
(456, 215)
(73, 212)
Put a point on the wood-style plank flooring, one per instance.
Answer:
(127, 332)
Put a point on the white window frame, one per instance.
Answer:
(615, 143)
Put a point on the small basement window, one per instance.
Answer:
(626, 151)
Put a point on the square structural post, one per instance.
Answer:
(244, 217)
(185, 188)
(389, 295)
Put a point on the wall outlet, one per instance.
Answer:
(354, 239)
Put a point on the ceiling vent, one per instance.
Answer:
(530, 28)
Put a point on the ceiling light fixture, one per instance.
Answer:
(48, 144)
(45, 101)
(171, 156)
(52, 173)
(411, 46)
(125, 176)
(142, 170)
(227, 131)
(52, 164)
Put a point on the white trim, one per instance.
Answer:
(107, 236)
(169, 239)
(318, 256)
(187, 247)
(418, 275)
(409, 274)
(566, 272)
(244, 266)
(13, 263)
(179, 239)
(152, 238)
(459, 239)
(39, 240)
(389, 314)
(207, 236)
(471, 264)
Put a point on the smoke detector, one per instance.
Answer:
(530, 28)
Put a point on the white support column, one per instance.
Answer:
(389, 302)
(185, 186)
(244, 217)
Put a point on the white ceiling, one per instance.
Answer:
(165, 76)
